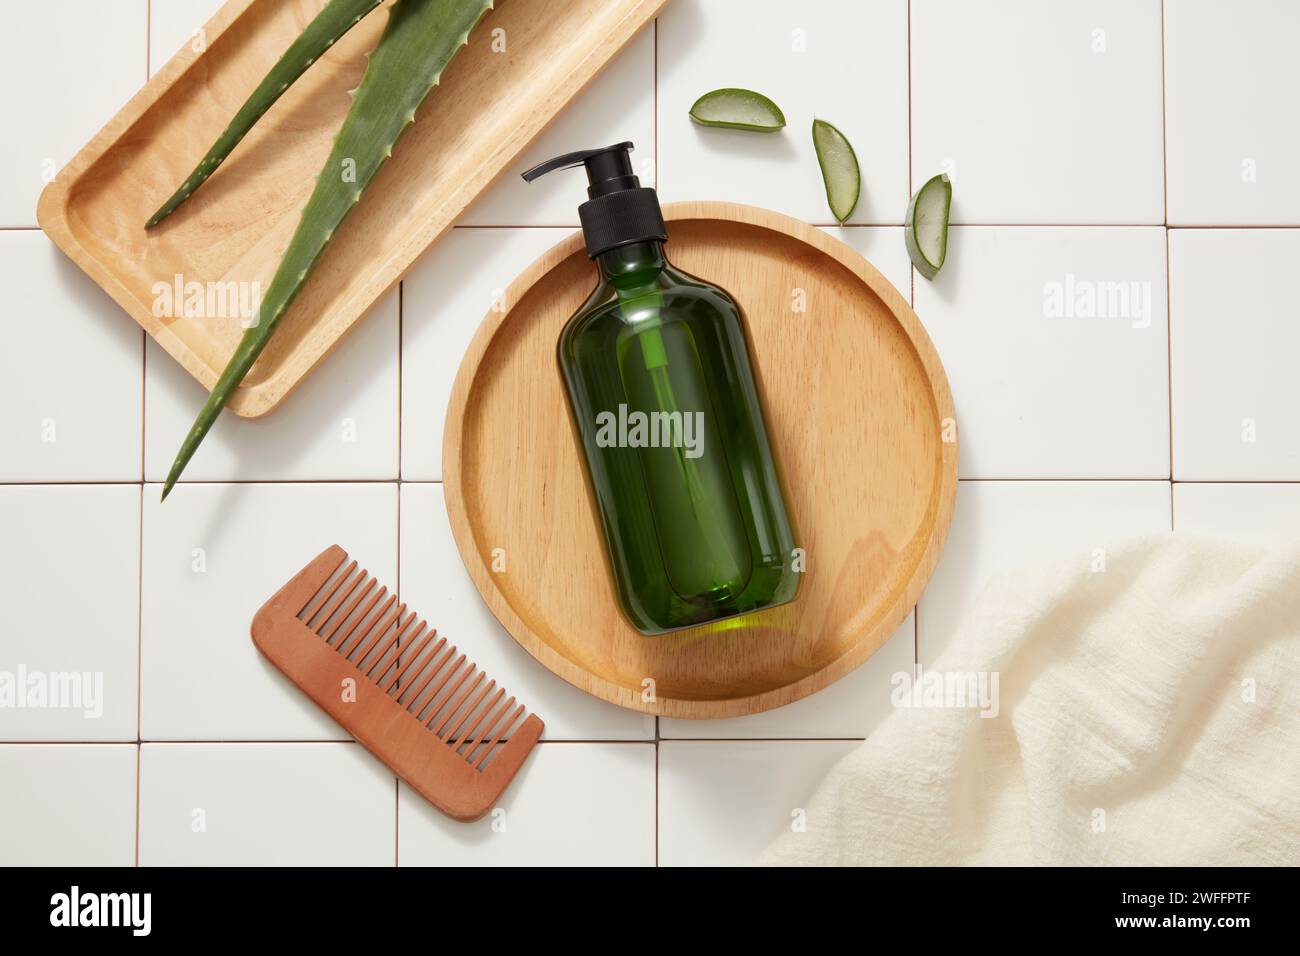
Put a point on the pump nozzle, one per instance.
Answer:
(609, 169)
(619, 210)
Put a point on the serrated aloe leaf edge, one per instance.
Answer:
(418, 42)
(338, 17)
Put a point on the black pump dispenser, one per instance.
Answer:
(619, 210)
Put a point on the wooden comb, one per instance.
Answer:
(403, 692)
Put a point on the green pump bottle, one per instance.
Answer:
(668, 414)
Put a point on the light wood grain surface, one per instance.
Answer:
(857, 404)
(488, 107)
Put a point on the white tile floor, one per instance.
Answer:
(1124, 358)
(1068, 92)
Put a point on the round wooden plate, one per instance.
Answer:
(859, 411)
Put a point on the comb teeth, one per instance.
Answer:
(411, 664)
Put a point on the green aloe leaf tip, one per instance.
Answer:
(418, 42)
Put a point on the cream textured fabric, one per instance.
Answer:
(1148, 714)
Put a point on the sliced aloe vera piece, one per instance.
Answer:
(926, 225)
(734, 108)
(839, 169)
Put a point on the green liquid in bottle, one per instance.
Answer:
(667, 409)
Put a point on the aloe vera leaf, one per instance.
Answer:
(839, 168)
(734, 108)
(419, 41)
(925, 228)
(338, 17)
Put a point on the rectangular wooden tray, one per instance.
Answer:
(487, 109)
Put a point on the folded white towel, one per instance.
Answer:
(1147, 713)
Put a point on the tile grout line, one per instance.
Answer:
(139, 759)
(279, 741)
(401, 328)
(1164, 117)
(1169, 313)
(1169, 310)
(275, 482)
(911, 271)
(656, 808)
(278, 482)
(911, 274)
(427, 481)
(1169, 358)
(954, 225)
(219, 482)
(898, 224)
(263, 741)
(139, 662)
(139, 583)
(909, 108)
(1076, 478)
(572, 226)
